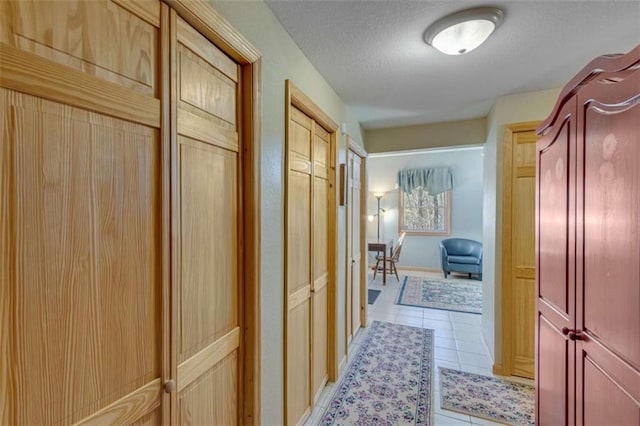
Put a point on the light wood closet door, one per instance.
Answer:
(298, 288)
(519, 259)
(353, 245)
(320, 230)
(209, 280)
(80, 222)
(307, 288)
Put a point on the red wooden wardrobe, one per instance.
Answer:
(588, 249)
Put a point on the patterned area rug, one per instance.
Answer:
(389, 382)
(449, 294)
(372, 295)
(487, 397)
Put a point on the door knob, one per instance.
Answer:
(576, 335)
(169, 386)
(573, 334)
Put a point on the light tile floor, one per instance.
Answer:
(458, 344)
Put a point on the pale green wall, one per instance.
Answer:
(466, 200)
(281, 60)
(451, 133)
(510, 109)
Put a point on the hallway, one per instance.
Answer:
(458, 344)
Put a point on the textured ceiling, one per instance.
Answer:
(372, 52)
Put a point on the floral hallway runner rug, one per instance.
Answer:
(390, 380)
(487, 397)
(449, 294)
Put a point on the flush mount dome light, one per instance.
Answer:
(463, 31)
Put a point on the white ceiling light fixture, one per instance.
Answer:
(463, 31)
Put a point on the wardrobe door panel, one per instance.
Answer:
(608, 252)
(555, 280)
(553, 404)
(553, 237)
(612, 229)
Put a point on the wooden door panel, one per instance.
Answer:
(320, 239)
(86, 240)
(355, 244)
(203, 49)
(611, 230)
(319, 363)
(302, 270)
(212, 398)
(298, 238)
(320, 228)
(522, 257)
(298, 362)
(355, 298)
(524, 339)
(300, 134)
(553, 247)
(321, 152)
(214, 95)
(308, 264)
(115, 42)
(552, 380)
(151, 419)
(209, 325)
(6, 262)
(605, 401)
(349, 284)
(209, 282)
(356, 212)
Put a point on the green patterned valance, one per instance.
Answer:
(434, 180)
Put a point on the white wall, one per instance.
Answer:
(510, 109)
(466, 199)
(281, 60)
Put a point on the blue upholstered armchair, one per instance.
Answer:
(461, 255)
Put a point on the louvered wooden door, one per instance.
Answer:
(81, 212)
(208, 281)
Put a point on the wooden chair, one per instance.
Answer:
(395, 257)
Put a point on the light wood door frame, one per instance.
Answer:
(360, 152)
(294, 97)
(508, 329)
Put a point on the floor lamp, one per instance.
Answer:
(379, 195)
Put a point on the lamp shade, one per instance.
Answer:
(463, 31)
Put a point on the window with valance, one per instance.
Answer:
(425, 201)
